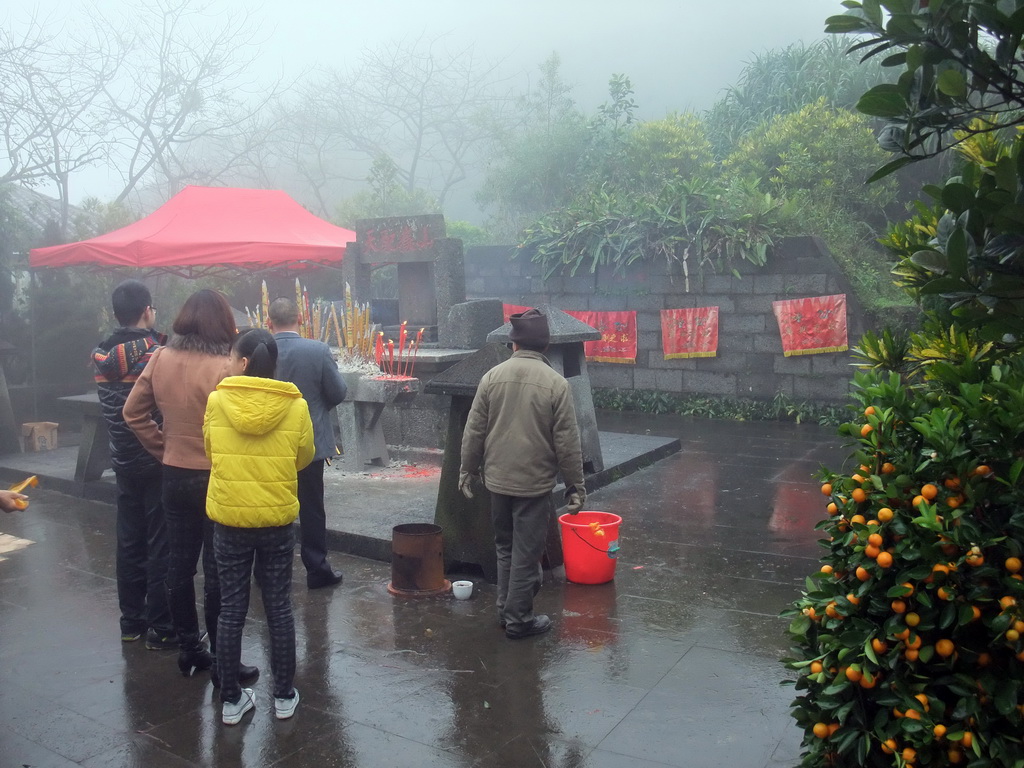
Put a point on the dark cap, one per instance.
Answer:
(529, 328)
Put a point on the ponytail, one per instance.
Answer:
(259, 347)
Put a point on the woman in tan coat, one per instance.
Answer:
(177, 383)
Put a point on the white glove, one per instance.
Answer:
(576, 500)
(466, 484)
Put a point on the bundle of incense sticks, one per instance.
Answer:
(398, 361)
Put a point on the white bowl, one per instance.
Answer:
(462, 589)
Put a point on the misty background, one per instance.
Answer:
(292, 93)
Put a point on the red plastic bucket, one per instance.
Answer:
(590, 545)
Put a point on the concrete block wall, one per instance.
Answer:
(749, 364)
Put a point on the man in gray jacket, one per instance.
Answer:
(309, 365)
(521, 432)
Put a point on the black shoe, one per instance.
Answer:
(321, 580)
(246, 674)
(194, 659)
(538, 626)
(161, 641)
(133, 635)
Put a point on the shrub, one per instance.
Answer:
(908, 641)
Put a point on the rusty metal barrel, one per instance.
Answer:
(417, 560)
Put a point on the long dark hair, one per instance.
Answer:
(206, 317)
(260, 349)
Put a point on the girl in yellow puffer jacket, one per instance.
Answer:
(258, 434)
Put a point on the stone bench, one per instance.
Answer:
(94, 450)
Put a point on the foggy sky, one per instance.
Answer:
(679, 54)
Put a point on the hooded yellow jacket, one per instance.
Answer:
(258, 435)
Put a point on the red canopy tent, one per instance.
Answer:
(205, 229)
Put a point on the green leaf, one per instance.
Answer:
(888, 168)
(884, 100)
(800, 625)
(956, 253)
(933, 261)
(952, 83)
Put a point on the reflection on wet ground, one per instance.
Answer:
(673, 663)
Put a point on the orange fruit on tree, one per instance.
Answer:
(984, 659)
(909, 587)
(884, 559)
(826, 489)
(1012, 564)
(885, 515)
(945, 647)
(954, 501)
(853, 673)
(888, 468)
(868, 681)
(939, 730)
(918, 500)
(832, 508)
(929, 491)
(975, 613)
(1019, 626)
(831, 611)
(955, 755)
(898, 606)
(858, 520)
(909, 754)
(1006, 601)
(820, 730)
(903, 635)
(953, 483)
(968, 739)
(879, 645)
(912, 619)
(872, 551)
(944, 594)
(853, 599)
(858, 478)
(982, 470)
(1012, 635)
(913, 714)
(869, 411)
(826, 568)
(866, 430)
(862, 573)
(859, 495)
(913, 642)
(876, 539)
(816, 667)
(923, 698)
(889, 746)
(832, 728)
(975, 557)
(911, 654)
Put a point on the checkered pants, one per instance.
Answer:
(236, 549)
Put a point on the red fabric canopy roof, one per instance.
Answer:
(211, 227)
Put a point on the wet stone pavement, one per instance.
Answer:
(674, 663)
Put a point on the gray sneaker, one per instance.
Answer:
(285, 708)
(231, 714)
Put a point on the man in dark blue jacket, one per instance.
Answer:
(309, 365)
(141, 531)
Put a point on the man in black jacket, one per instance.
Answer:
(309, 365)
(141, 531)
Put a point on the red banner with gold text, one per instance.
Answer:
(618, 334)
(689, 332)
(813, 325)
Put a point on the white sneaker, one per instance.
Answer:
(231, 714)
(285, 708)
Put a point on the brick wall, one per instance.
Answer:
(749, 363)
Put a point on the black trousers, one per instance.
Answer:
(520, 535)
(313, 521)
(271, 549)
(142, 554)
(189, 535)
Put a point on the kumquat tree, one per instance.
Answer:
(909, 641)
